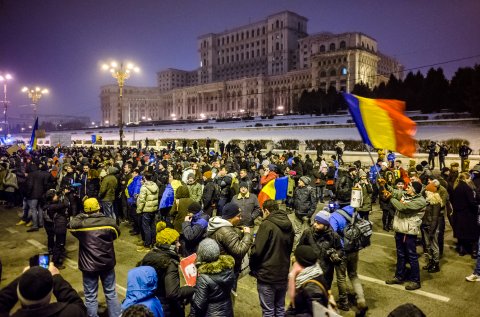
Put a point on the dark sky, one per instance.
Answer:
(60, 44)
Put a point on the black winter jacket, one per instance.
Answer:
(215, 281)
(68, 303)
(165, 262)
(207, 196)
(304, 201)
(95, 233)
(37, 183)
(270, 257)
(344, 188)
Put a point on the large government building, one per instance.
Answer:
(257, 69)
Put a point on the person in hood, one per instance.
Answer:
(147, 206)
(270, 258)
(232, 240)
(215, 282)
(430, 227)
(141, 286)
(410, 207)
(108, 186)
(180, 207)
(194, 229)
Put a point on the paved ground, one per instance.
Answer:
(442, 294)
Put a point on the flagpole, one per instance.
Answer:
(371, 157)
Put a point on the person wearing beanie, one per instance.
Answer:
(106, 194)
(431, 227)
(268, 175)
(233, 240)
(215, 281)
(194, 188)
(141, 286)
(249, 205)
(34, 289)
(304, 204)
(194, 229)
(96, 255)
(367, 191)
(306, 283)
(210, 194)
(409, 210)
(223, 182)
(270, 258)
(345, 185)
(165, 260)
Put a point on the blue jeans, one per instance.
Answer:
(90, 288)
(477, 266)
(26, 216)
(407, 253)
(272, 299)
(108, 209)
(36, 213)
(148, 226)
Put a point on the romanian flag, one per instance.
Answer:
(275, 189)
(33, 138)
(382, 123)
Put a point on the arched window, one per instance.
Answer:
(332, 46)
(343, 45)
(323, 73)
(333, 72)
(322, 48)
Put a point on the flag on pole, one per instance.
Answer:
(382, 123)
(275, 189)
(33, 138)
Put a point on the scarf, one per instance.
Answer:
(299, 275)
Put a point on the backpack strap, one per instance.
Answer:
(324, 291)
(345, 215)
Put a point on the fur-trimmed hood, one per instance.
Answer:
(433, 198)
(224, 262)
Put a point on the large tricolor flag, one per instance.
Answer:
(33, 138)
(275, 189)
(382, 123)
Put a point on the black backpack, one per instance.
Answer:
(356, 235)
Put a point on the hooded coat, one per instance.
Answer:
(270, 256)
(212, 292)
(409, 213)
(180, 207)
(147, 200)
(108, 186)
(141, 286)
(464, 212)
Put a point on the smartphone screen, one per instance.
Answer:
(43, 260)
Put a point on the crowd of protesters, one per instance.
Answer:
(193, 200)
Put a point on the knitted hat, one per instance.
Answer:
(454, 164)
(323, 217)
(35, 286)
(194, 207)
(399, 180)
(207, 174)
(91, 205)
(167, 236)
(305, 179)
(230, 210)
(208, 250)
(305, 255)
(272, 167)
(191, 175)
(419, 168)
(385, 164)
(417, 187)
(243, 184)
(351, 169)
(160, 226)
(431, 188)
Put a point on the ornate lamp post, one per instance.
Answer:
(5, 78)
(35, 94)
(120, 72)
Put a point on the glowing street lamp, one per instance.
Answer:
(35, 94)
(5, 78)
(120, 72)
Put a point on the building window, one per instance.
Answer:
(332, 46)
(322, 48)
(343, 45)
(323, 74)
(333, 72)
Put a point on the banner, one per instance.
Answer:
(189, 270)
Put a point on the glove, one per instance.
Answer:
(382, 182)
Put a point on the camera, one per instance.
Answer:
(333, 256)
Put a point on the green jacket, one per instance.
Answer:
(409, 213)
(108, 186)
(195, 191)
(147, 200)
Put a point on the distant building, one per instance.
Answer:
(258, 69)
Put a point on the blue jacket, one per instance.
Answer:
(141, 286)
(391, 157)
(339, 222)
(167, 197)
(134, 189)
(373, 173)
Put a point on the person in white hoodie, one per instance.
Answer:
(232, 240)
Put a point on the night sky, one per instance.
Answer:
(60, 44)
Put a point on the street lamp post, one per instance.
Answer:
(120, 72)
(35, 94)
(4, 79)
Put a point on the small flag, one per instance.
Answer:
(382, 123)
(275, 189)
(33, 138)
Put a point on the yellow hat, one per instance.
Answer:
(167, 236)
(91, 205)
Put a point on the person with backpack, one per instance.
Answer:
(339, 221)
(410, 208)
(304, 204)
